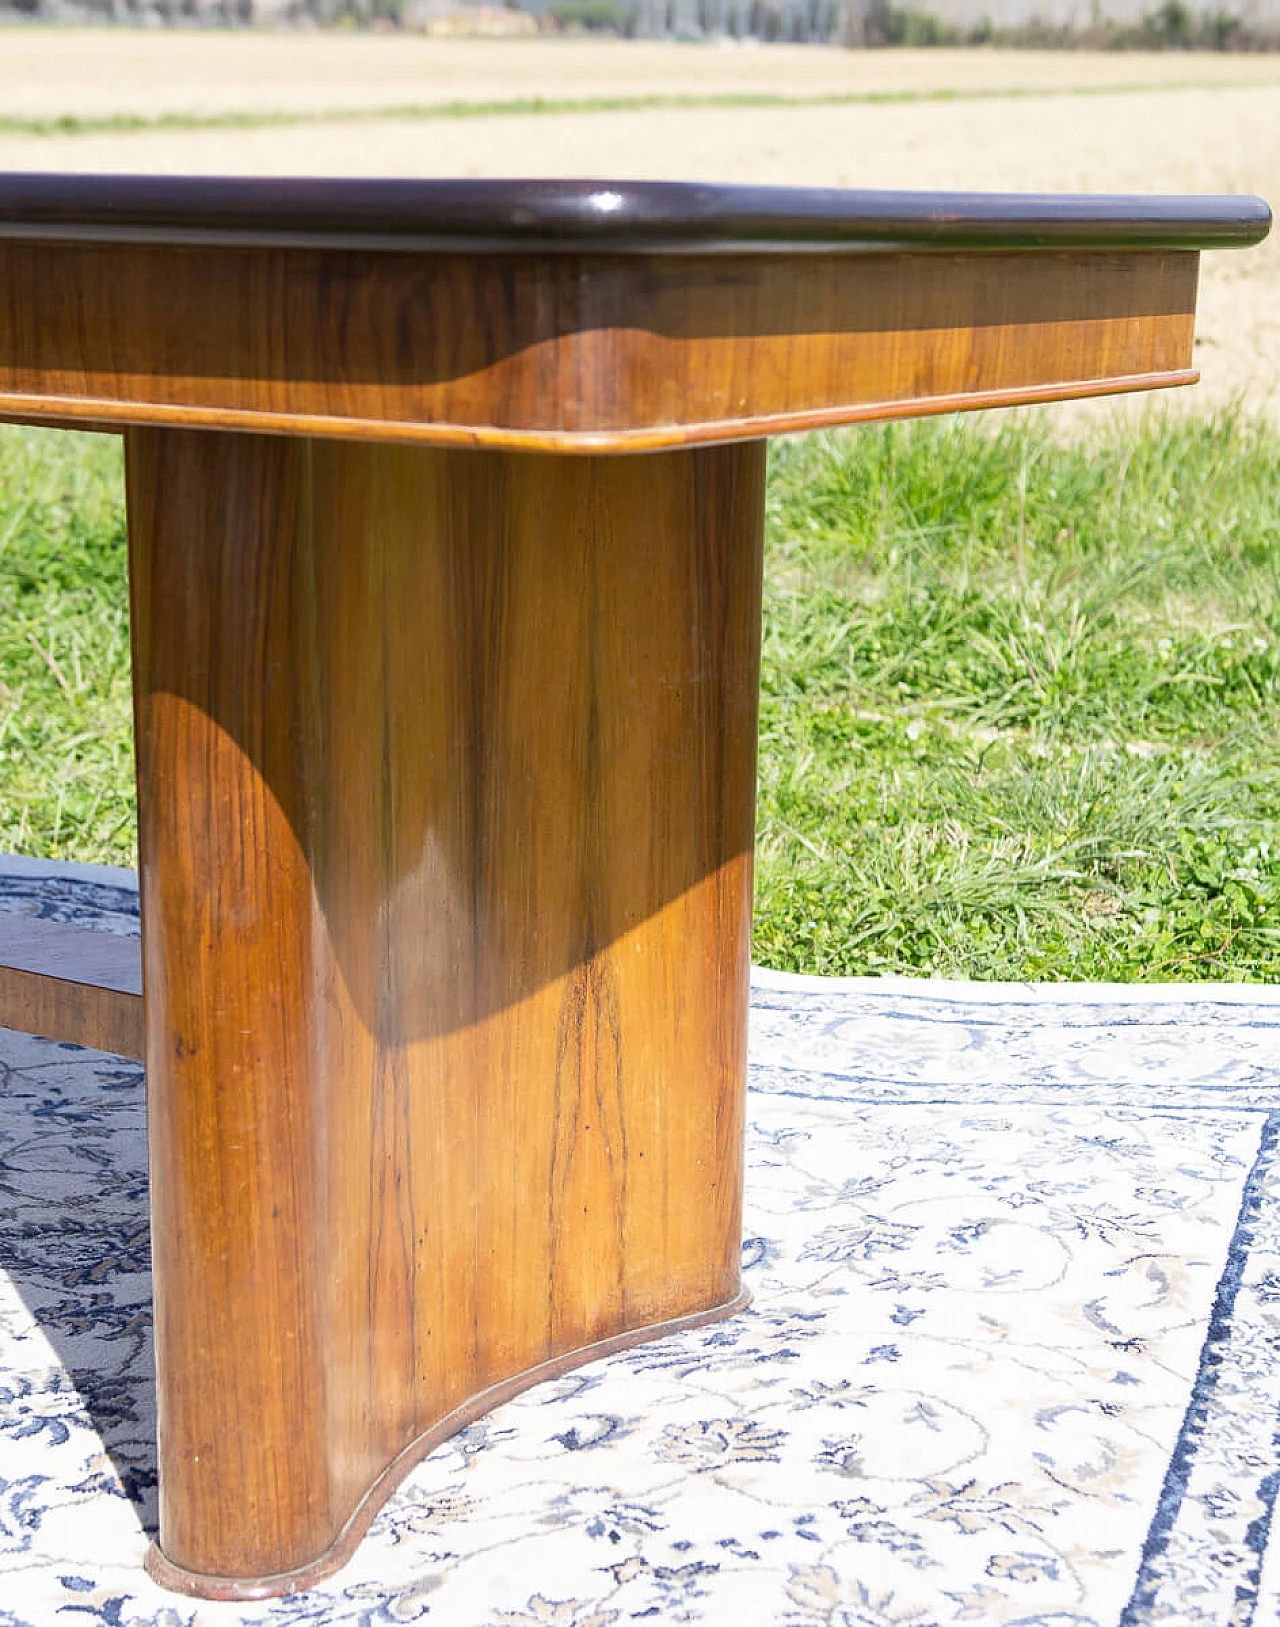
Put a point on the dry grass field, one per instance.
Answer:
(93, 72)
(973, 119)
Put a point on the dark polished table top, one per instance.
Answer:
(613, 216)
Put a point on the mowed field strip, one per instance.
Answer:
(386, 105)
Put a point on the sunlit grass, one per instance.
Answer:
(1021, 703)
(66, 747)
(1020, 710)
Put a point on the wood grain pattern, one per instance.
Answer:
(198, 1584)
(106, 417)
(447, 765)
(68, 984)
(588, 352)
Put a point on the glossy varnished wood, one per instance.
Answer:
(449, 762)
(446, 756)
(562, 352)
(68, 984)
(638, 217)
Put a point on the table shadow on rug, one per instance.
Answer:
(75, 1246)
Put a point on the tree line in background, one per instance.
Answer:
(1107, 24)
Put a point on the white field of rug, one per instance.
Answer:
(1014, 1355)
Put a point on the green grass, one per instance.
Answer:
(1020, 711)
(66, 787)
(93, 124)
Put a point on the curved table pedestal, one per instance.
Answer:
(446, 885)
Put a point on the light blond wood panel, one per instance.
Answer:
(68, 984)
(447, 771)
(599, 352)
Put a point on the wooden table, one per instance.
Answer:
(446, 733)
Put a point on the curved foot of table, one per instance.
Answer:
(233, 1588)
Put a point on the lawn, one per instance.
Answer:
(1020, 710)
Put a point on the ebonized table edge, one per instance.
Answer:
(598, 216)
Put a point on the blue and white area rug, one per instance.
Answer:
(1014, 1355)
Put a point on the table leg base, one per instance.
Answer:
(232, 1588)
(446, 889)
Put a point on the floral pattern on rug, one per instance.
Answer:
(1012, 1357)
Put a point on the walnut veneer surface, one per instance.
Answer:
(446, 716)
(579, 316)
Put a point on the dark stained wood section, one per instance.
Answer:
(446, 722)
(446, 882)
(566, 352)
(641, 217)
(68, 984)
